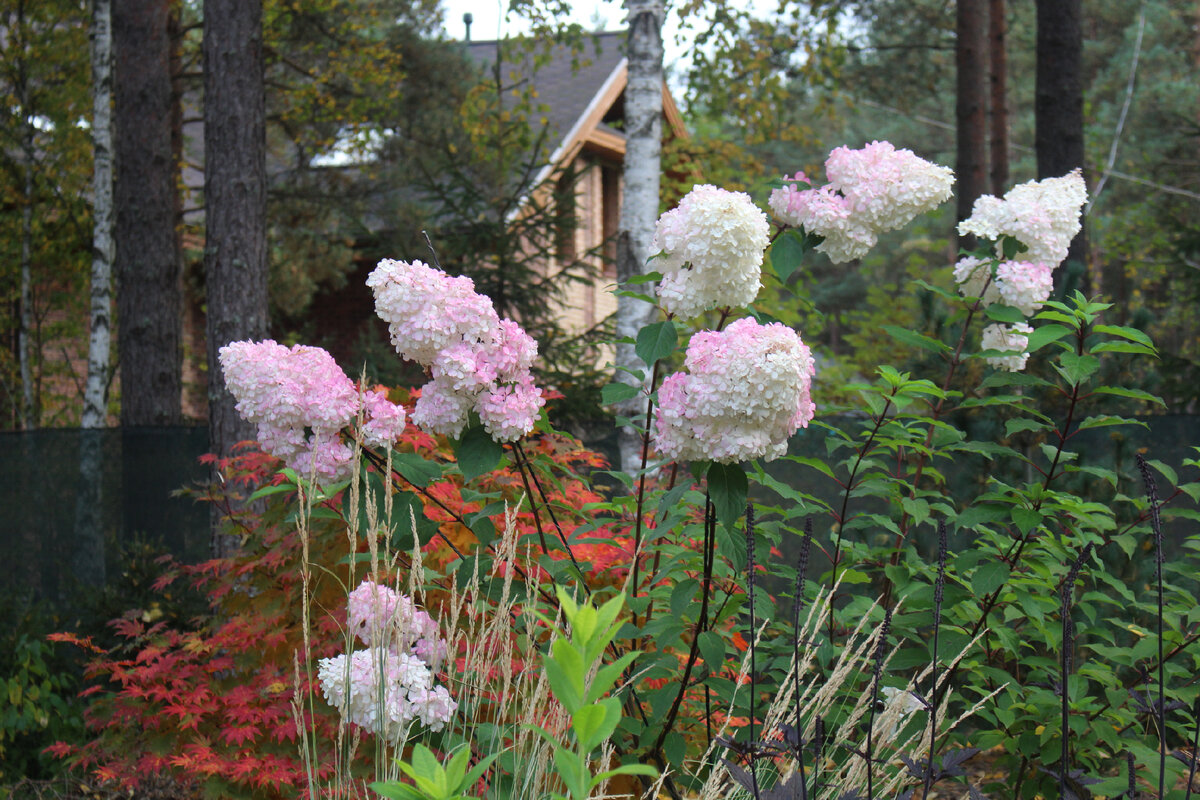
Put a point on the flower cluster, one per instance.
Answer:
(300, 400)
(389, 685)
(710, 251)
(1020, 284)
(478, 361)
(746, 391)
(1042, 215)
(1011, 339)
(870, 191)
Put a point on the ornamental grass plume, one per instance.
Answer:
(747, 389)
(874, 189)
(478, 361)
(710, 251)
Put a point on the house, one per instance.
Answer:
(578, 95)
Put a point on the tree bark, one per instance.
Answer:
(96, 391)
(1058, 113)
(970, 107)
(639, 205)
(235, 190)
(149, 297)
(998, 107)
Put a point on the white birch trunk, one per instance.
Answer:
(95, 395)
(88, 560)
(639, 205)
(24, 344)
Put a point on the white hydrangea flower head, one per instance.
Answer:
(746, 391)
(1007, 338)
(1024, 285)
(1043, 215)
(711, 250)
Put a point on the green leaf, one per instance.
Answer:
(712, 650)
(1106, 420)
(1026, 519)
(728, 487)
(786, 254)
(674, 748)
(1132, 334)
(588, 722)
(655, 341)
(989, 577)
(1076, 368)
(1002, 313)
(477, 452)
(1133, 394)
(647, 277)
(418, 471)
(915, 339)
(613, 393)
(1124, 347)
(1044, 335)
(1019, 424)
(270, 490)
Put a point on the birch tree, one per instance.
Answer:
(639, 206)
(96, 390)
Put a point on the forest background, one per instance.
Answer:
(764, 96)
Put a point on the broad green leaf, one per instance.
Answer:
(1124, 347)
(728, 488)
(1133, 394)
(1044, 335)
(988, 578)
(1076, 368)
(1019, 424)
(655, 341)
(617, 392)
(1106, 420)
(712, 650)
(418, 471)
(786, 254)
(648, 277)
(270, 490)
(915, 339)
(1002, 313)
(1026, 519)
(477, 452)
(1132, 334)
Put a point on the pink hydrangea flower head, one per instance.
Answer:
(1042, 215)
(510, 410)
(1007, 338)
(441, 410)
(747, 390)
(871, 190)
(428, 311)
(371, 610)
(384, 420)
(286, 391)
(1024, 285)
(711, 250)
(380, 690)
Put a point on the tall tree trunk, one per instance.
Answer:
(96, 391)
(149, 300)
(639, 205)
(24, 342)
(235, 191)
(1058, 113)
(998, 108)
(88, 553)
(971, 106)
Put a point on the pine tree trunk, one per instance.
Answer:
(235, 190)
(149, 296)
(998, 108)
(1058, 113)
(639, 204)
(971, 106)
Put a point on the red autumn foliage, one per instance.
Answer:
(213, 704)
